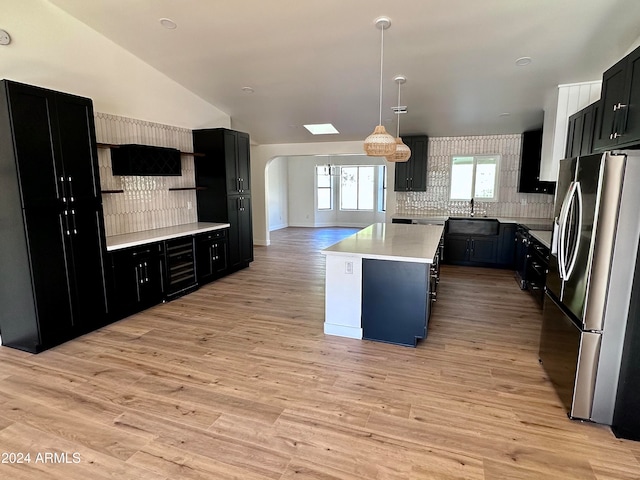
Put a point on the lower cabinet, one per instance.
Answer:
(240, 233)
(396, 301)
(138, 279)
(465, 250)
(481, 250)
(211, 255)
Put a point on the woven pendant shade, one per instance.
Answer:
(379, 143)
(402, 153)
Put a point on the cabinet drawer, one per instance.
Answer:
(215, 234)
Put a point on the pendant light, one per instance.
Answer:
(402, 153)
(380, 143)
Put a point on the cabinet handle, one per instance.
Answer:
(66, 223)
(141, 252)
(70, 180)
(73, 221)
(139, 273)
(63, 189)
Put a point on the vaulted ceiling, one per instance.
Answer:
(318, 61)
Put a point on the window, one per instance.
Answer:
(474, 177)
(357, 184)
(324, 187)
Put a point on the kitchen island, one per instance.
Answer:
(380, 282)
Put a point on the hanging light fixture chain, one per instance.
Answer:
(398, 113)
(381, 69)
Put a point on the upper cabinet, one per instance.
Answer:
(530, 165)
(565, 101)
(618, 121)
(411, 176)
(228, 156)
(580, 131)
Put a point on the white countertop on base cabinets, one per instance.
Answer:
(391, 241)
(117, 242)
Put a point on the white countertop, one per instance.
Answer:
(391, 241)
(542, 236)
(117, 242)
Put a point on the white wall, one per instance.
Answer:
(262, 155)
(302, 195)
(559, 106)
(52, 49)
(278, 193)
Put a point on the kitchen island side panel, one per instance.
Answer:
(343, 294)
(395, 301)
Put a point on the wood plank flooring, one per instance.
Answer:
(238, 381)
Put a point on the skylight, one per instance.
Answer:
(322, 129)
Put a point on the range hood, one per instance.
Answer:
(145, 160)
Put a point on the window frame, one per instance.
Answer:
(496, 185)
(327, 169)
(357, 209)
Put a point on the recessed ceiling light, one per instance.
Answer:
(248, 89)
(168, 23)
(505, 114)
(322, 129)
(523, 61)
(5, 39)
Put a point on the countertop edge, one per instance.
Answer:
(156, 236)
(374, 256)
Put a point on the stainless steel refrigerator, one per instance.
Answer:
(591, 270)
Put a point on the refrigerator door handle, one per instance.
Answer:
(564, 217)
(577, 194)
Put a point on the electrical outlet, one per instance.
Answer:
(348, 268)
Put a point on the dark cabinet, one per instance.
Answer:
(492, 244)
(618, 120)
(222, 176)
(531, 153)
(465, 250)
(52, 286)
(211, 255)
(537, 265)
(506, 245)
(580, 132)
(411, 176)
(240, 237)
(521, 243)
(395, 301)
(138, 279)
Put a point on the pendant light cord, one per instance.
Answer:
(381, 72)
(398, 112)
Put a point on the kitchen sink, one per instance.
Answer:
(473, 226)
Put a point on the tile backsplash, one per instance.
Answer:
(435, 201)
(146, 202)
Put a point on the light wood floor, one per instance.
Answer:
(238, 381)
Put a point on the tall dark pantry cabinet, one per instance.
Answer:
(224, 188)
(52, 285)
